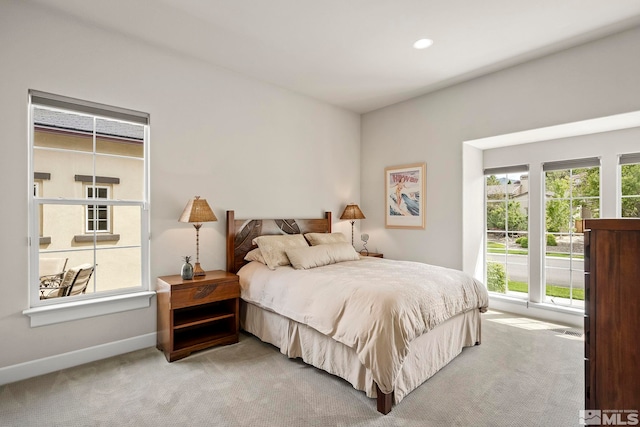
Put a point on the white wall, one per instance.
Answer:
(593, 80)
(239, 143)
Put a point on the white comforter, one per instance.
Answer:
(374, 306)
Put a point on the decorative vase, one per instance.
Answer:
(187, 269)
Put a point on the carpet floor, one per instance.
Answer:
(525, 373)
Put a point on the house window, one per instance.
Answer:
(630, 185)
(572, 193)
(84, 145)
(507, 235)
(98, 217)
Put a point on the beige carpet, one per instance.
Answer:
(523, 374)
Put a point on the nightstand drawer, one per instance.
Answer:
(204, 293)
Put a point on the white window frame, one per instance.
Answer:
(55, 310)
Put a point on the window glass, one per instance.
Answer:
(507, 203)
(571, 195)
(92, 208)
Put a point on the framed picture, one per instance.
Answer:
(405, 193)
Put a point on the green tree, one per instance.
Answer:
(558, 210)
(586, 182)
(497, 217)
(492, 180)
(558, 214)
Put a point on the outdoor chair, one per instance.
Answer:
(74, 282)
(51, 271)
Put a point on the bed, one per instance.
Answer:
(387, 358)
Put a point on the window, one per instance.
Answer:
(97, 216)
(507, 225)
(630, 185)
(82, 146)
(569, 193)
(572, 193)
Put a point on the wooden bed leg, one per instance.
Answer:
(385, 401)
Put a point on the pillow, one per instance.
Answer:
(325, 238)
(319, 255)
(309, 257)
(255, 255)
(273, 248)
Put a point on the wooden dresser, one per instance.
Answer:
(612, 315)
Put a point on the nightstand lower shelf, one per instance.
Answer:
(202, 336)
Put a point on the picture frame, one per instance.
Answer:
(408, 183)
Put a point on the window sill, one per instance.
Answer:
(548, 312)
(541, 305)
(65, 312)
(88, 238)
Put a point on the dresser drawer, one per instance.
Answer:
(204, 293)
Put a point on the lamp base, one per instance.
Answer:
(198, 271)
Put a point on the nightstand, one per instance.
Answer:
(197, 314)
(372, 254)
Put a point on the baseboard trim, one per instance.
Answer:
(34, 368)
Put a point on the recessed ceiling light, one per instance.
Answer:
(423, 43)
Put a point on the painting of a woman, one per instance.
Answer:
(405, 186)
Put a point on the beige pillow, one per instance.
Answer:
(342, 252)
(325, 238)
(255, 255)
(273, 248)
(317, 256)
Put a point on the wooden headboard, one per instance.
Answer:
(240, 233)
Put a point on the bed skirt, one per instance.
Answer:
(427, 354)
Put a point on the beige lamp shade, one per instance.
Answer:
(197, 211)
(352, 211)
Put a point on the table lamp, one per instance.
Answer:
(352, 212)
(196, 212)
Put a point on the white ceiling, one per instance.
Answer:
(358, 54)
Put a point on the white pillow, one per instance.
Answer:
(255, 255)
(273, 247)
(325, 238)
(317, 256)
